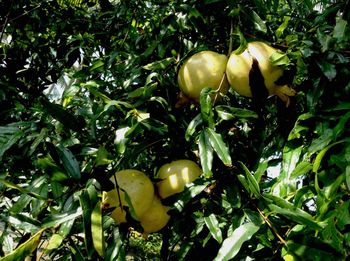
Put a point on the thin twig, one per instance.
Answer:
(231, 39)
(271, 226)
(6, 20)
(19, 16)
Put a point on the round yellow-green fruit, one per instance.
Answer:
(175, 175)
(203, 69)
(289, 257)
(155, 218)
(137, 187)
(239, 66)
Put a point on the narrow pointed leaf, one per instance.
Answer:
(287, 209)
(192, 126)
(231, 245)
(322, 153)
(97, 229)
(207, 107)
(25, 249)
(213, 226)
(228, 113)
(69, 162)
(162, 64)
(20, 189)
(219, 146)
(205, 153)
(252, 183)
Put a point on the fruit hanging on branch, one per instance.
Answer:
(243, 68)
(175, 175)
(134, 192)
(201, 70)
(155, 218)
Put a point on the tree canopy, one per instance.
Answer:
(89, 88)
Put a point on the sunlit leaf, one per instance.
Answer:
(24, 249)
(97, 229)
(287, 209)
(205, 153)
(22, 190)
(213, 226)
(283, 26)
(207, 107)
(231, 245)
(259, 24)
(301, 169)
(159, 64)
(230, 113)
(219, 146)
(58, 219)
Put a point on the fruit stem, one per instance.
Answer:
(218, 91)
(231, 40)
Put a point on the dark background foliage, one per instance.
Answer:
(88, 88)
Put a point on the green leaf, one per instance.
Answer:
(252, 183)
(229, 113)
(24, 249)
(322, 153)
(22, 190)
(55, 242)
(92, 86)
(323, 141)
(244, 182)
(287, 209)
(341, 126)
(283, 26)
(97, 229)
(189, 193)
(57, 219)
(328, 69)
(213, 226)
(97, 66)
(102, 157)
(115, 250)
(157, 65)
(11, 134)
(59, 113)
(259, 24)
(56, 239)
(192, 126)
(219, 146)
(340, 28)
(311, 248)
(207, 107)
(205, 153)
(347, 176)
(69, 162)
(301, 169)
(279, 59)
(291, 157)
(85, 203)
(242, 40)
(231, 245)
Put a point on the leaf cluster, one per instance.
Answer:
(88, 88)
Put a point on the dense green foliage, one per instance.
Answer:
(88, 89)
